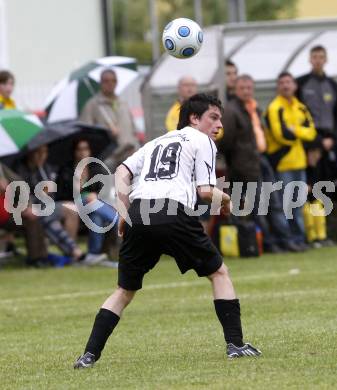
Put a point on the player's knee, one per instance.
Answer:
(126, 295)
(222, 272)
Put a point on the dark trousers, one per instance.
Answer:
(274, 225)
(34, 237)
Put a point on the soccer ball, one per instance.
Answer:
(182, 38)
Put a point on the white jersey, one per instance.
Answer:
(172, 166)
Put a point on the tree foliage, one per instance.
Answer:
(270, 9)
(132, 28)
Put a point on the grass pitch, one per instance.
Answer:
(169, 337)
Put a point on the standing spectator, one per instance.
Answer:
(7, 82)
(187, 87)
(108, 110)
(243, 145)
(289, 125)
(319, 93)
(239, 144)
(231, 72)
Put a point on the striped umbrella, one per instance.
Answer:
(69, 96)
(16, 130)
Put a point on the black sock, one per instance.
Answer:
(228, 312)
(104, 324)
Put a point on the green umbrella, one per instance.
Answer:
(69, 96)
(17, 128)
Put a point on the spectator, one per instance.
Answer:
(7, 82)
(243, 145)
(239, 142)
(34, 170)
(231, 76)
(108, 110)
(289, 125)
(104, 215)
(33, 232)
(187, 87)
(319, 93)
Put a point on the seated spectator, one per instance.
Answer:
(289, 125)
(108, 110)
(187, 87)
(31, 228)
(6, 89)
(104, 215)
(34, 170)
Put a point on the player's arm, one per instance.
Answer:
(123, 179)
(123, 185)
(211, 194)
(205, 176)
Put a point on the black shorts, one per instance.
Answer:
(181, 236)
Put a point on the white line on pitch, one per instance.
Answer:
(78, 294)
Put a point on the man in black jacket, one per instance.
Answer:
(319, 93)
(243, 145)
(239, 144)
(231, 72)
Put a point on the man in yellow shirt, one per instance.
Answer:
(289, 125)
(7, 82)
(187, 87)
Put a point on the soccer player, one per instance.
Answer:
(169, 171)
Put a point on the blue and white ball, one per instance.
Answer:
(182, 38)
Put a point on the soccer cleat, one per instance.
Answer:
(246, 350)
(85, 361)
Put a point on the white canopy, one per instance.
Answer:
(260, 49)
(262, 53)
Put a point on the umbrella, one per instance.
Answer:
(69, 96)
(16, 130)
(61, 136)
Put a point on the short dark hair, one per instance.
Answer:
(285, 74)
(79, 140)
(108, 70)
(317, 48)
(5, 76)
(197, 104)
(230, 63)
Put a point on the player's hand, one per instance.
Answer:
(226, 206)
(121, 226)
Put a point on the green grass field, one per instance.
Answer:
(169, 338)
